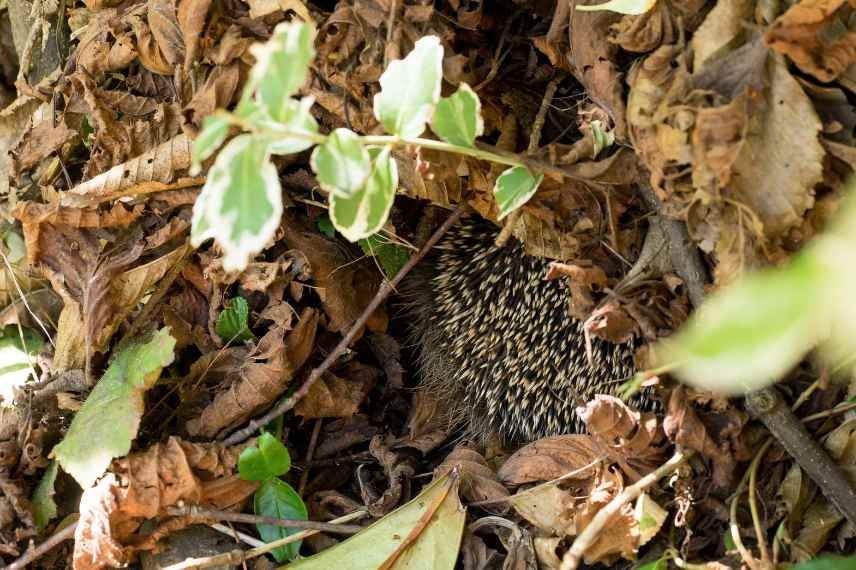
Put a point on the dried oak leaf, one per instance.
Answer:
(478, 481)
(261, 379)
(141, 486)
(817, 36)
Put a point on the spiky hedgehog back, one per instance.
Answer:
(496, 342)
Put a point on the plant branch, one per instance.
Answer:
(196, 512)
(34, 554)
(383, 292)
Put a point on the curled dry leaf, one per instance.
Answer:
(550, 458)
(398, 469)
(478, 481)
(261, 378)
(141, 486)
(338, 397)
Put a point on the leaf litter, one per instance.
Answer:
(736, 114)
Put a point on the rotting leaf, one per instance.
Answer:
(424, 534)
(107, 423)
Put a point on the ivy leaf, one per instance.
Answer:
(215, 128)
(233, 323)
(748, 335)
(366, 211)
(457, 119)
(342, 164)
(268, 460)
(108, 420)
(241, 202)
(281, 66)
(392, 257)
(630, 7)
(276, 498)
(44, 506)
(410, 88)
(515, 187)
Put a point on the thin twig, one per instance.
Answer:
(34, 554)
(604, 516)
(194, 511)
(237, 535)
(237, 557)
(760, 535)
(383, 292)
(310, 453)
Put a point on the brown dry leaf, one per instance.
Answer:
(335, 397)
(141, 486)
(582, 281)
(39, 143)
(549, 458)
(816, 35)
(478, 481)
(427, 424)
(219, 90)
(163, 22)
(721, 26)
(261, 379)
(398, 469)
(191, 21)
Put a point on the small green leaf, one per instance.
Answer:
(366, 211)
(828, 563)
(748, 335)
(268, 460)
(515, 187)
(18, 351)
(392, 257)
(659, 564)
(325, 226)
(602, 139)
(233, 323)
(278, 499)
(44, 507)
(342, 164)
(296, 121)
(281, 66)
(630, 7)
(457, 119)
(108, 420)
(214, 132)
(410, 88)
(241, 202)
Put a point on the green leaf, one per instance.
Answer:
(269, 459)
(296, 121)
(18, 351)
(631, 7)
(659, 564)
(435, 544)
(44, 507)
(828, 563)
(233, 323)
(281, 66)
(325, 226)
(602, 139)
(392, 257)
(748, 335)
(278, 499)
(108, 420)
(366, 211)
(410, 88)
(215, 128)
(16, 247)
(514, 187)
(241, 202)
(342, 164)
(457, 119)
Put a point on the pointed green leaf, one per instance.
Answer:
(278, 499)
(392, 256)
(44, 506)
(434, 520)
(215, 128)
(366, 211)
(281, 66)
(750, 334)
(108, 420)
(269, 459)
(342, 163)
(515, 187)
(410, 88)
(457, 119)
(241, 202)
(630, 7)
(233, 322)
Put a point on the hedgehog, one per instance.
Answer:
(496, 343)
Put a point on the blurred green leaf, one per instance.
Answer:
(215, 128)
(44, 507)
(515, 187)
(366, 210)
(233, 322)
(281, 66)
(457, 119)
(18, 351)
(392, 257)
(342, 164)
(278, 499)
(630, 7)
(269, 459)
(828, 563)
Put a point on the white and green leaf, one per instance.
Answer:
(458, 119)
(295, 131)
(629, 7)
(342, 164)
(410, 89)
(281, 66)
(215, 129)
(241, 203)
(515, 187)
(366, 211)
